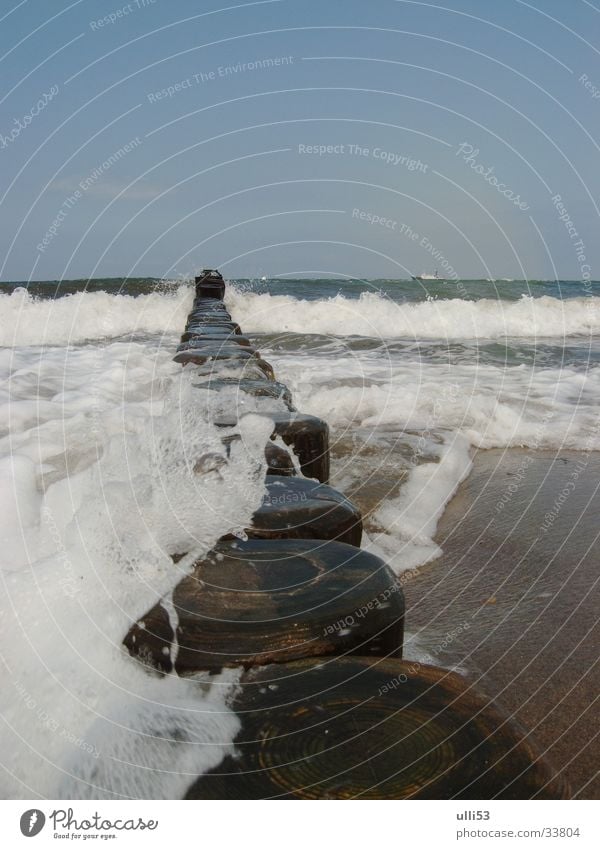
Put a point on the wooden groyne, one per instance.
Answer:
(328, 707)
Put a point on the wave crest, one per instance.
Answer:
(374, 315)
(84, 316)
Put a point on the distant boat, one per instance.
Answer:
(434, 276)
(263, 279)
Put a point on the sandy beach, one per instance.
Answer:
(513, 601)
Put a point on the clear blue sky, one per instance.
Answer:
(219, 175)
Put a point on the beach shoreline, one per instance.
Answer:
(513, 599)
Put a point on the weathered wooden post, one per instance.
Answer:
(329, 710)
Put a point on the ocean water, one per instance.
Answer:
(99, 437)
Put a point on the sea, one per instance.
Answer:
(100, 433)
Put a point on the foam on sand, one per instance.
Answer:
(441, 413)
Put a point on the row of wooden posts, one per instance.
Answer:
(328, 708)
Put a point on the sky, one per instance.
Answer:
(299, 137)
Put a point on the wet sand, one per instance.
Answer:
(514, 600)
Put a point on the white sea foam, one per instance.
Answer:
(492, 407)
(73, 319)
(100, 491)
(84, 316)
(442, 412)
(377, 316)
(98, 444)
(409, 522)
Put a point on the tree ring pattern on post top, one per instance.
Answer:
(356, 727)
(328, 708)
